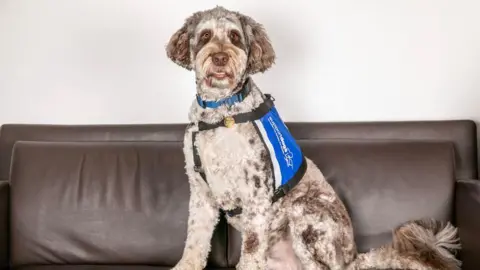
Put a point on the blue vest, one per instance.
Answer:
(286, 155)
(287, 159)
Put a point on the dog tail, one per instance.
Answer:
(418, 244)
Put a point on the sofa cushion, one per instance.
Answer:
(101, 203)
(382, 184)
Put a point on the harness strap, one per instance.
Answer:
(196, 158)
(256, 114)
(288, 186)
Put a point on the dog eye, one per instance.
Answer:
(234, 36)
(205, 35)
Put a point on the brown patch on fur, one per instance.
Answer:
(313, 203)
(266, 168)
(264, 156)
(251, 242)
(251, 141)
(247, 178)
(283, 229)
(309, 236)
(265, 182)
(257, 181)
(278, 233)
(266, 165)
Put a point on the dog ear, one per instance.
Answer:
(261, 54)
(178, 47)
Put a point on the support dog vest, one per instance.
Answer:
(286, 157)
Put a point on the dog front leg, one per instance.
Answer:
(202, 218)
(255, 237)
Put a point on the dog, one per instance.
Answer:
(240, 158)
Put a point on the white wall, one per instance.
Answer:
(103, 61)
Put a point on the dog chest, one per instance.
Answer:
(231, 157)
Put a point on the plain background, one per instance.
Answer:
(104, 62)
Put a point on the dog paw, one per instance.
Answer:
(243, 265)
(187, 265)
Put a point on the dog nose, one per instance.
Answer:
(220, 59)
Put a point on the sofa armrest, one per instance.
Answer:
(4, 224)
(467, 215)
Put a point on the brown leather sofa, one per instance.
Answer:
(116, 197)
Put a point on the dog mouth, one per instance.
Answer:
(219, 75)
(219, 78)
(215, 76)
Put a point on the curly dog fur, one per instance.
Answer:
(309, 228)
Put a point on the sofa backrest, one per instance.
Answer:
(462, 133)
(11, 133)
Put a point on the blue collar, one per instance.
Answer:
(238, 97)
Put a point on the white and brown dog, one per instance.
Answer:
(240, 158)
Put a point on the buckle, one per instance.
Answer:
(270, 97)
(280, 192)
(229, 121)
(234, 212)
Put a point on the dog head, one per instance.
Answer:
(222, 47)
